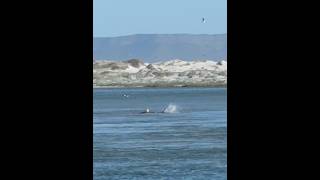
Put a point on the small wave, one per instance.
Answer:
(171, 108)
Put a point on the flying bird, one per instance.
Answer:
(203, 20)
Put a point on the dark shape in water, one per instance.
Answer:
(147, 111)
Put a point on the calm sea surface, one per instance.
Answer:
(188, 141)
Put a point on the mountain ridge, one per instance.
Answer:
(157, 47)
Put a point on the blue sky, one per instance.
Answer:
(125, 17)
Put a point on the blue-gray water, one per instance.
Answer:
(189, 143)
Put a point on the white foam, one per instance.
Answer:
(171, 108)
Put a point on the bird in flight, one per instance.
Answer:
(203, 20)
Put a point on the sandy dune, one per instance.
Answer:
(171, 73)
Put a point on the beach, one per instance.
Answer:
(170, 73)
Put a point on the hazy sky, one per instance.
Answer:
(125, 17)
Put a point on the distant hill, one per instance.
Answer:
(156, 47)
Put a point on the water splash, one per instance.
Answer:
(171, 108)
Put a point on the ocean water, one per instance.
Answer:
(187, 141)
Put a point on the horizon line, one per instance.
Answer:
(155, 34)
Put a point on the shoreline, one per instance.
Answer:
(136, 87)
